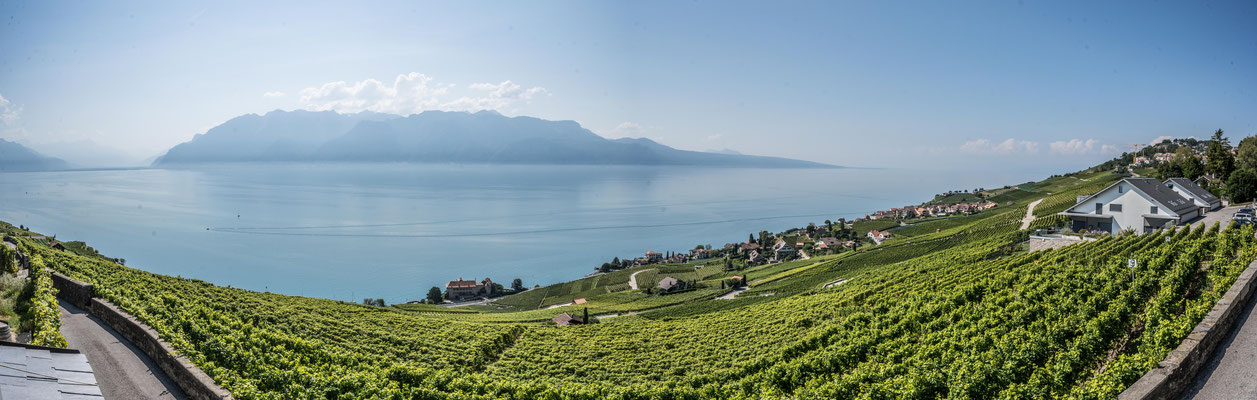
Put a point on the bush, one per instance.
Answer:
(44, 309)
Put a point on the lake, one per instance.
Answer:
(349, 231)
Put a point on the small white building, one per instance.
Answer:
(1138, 204)
(1191, 191)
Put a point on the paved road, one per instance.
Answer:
(1232, 370)
(122, 370)
(1025, 222)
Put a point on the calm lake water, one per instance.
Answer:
(349, 231)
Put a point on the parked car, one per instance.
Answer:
(1241, 222)
(1245, 210)
(1242, 216)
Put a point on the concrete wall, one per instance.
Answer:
(77, 293)
(1174, 374)
(194, 382)
(1054, 242)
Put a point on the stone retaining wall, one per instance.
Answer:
(194, 382)
(1174, 374)
(1054, 242)
(77, 293)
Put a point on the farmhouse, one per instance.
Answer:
(1191, 191)
(463, 289)
(669, 284)
(567, 319)
(1138, 204)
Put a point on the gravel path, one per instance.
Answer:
(1025, 222)
(122, 370)
(633, 278)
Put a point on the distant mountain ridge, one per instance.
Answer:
(16, 157)
(436, 136)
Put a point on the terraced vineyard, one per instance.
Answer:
(954, 311)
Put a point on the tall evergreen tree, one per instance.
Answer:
(1220, 162)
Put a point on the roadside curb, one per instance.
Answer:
(1176, 372)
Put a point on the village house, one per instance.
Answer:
(668, 284)
(464, 289)
(567, 319)
(653, 257)
(1192, 191)
(1138, 204)
(878, 236)
(828, 243)
(749, 246)
(754, 258)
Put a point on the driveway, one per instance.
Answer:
(122, 370)
(1222, 215)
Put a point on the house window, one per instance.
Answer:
(1115, 207)
(1153, 210)
(1099, 208)
(1120, 189)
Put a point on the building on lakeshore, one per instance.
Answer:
(464, 289)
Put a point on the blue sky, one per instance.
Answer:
(972, 85)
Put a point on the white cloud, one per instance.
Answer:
(1009, 146)
(9, 120)
(412, 93)
(625, 129)
(9, 112)
(1079, 146)
(1160, 139)
(273, 94)
(494, 97)
(714, 137)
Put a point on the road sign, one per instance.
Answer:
(1132, 263)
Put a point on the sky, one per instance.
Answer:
(996, 84)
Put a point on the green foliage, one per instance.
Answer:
(44, 309)
(1242, 186)
(954, 311)
(8, 259)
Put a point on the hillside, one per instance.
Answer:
(436, 137)
(15, 157)
(952, 308)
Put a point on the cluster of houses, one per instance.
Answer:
(1155, 158)
(1141, 205)
(935, 210)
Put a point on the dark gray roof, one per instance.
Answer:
(1193, 188)
(1161, 194)
(35, 372)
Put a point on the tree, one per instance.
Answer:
(379, 302)
(517, 285)
(1242, 186)
(1220, 163)
(434, 295)
(1188, 163)
(1246, 155)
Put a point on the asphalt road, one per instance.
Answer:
(1232, 370)
(121, 369)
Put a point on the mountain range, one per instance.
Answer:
(436, 136)
(15, 157)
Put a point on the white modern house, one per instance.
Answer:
(1191, 191)
(1138, 204)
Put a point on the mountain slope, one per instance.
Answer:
(276, 136)
(436, 136)
(16, 157)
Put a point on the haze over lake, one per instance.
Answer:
(349, 231)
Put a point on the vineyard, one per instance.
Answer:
(951, 309)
